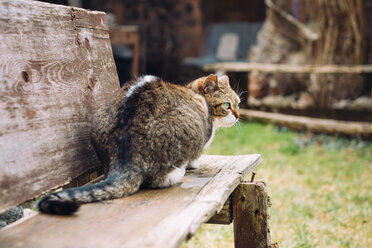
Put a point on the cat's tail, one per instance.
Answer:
(68, 201)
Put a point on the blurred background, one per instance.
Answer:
(170, 31)
(288, 57)
(177, 40)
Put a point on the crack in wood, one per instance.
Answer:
(91, 28)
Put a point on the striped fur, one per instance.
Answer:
(148, 134)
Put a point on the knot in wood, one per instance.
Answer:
(25, 76)
(242, 198)
(87, 44)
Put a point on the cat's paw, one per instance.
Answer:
(193, 164)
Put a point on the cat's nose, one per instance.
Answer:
(236, 114)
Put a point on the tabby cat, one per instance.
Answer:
(148, 134)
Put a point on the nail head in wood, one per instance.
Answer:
(252, 178)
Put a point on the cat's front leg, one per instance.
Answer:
(195, 164)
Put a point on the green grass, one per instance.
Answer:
(320, 187)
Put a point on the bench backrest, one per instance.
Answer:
(56, 67)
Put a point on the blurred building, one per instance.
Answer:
(173, 30)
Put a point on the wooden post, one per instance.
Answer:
(250, 203)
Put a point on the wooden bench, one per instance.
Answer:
(56, 67)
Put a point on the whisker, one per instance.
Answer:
(220, 131)
(238, 85)
(238, 126)
(242, 92)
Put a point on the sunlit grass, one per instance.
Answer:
(320, 187)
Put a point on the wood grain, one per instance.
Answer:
(151, 218)
(56, 67)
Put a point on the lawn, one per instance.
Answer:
(320, 187)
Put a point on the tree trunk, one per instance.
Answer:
(341, 41)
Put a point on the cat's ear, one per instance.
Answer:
(224, 80)
(210, 84)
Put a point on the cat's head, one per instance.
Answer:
(219, 95)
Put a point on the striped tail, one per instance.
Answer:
(68, 201)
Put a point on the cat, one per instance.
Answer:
(148, 134)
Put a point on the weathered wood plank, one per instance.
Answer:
(250, 210)
(287, 68)
(150, 218)
(56, 67)
(351, 128)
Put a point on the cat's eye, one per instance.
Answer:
(227, 105)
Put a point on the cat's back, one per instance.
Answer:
(150, 97)
(152, 107)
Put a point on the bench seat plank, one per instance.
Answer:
(150, 218)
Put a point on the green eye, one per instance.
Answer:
(227, 105)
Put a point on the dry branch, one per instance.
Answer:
(288, 68)
(317, 125)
